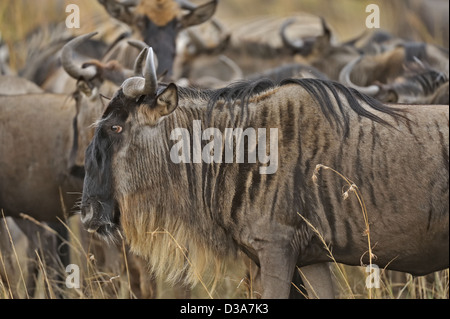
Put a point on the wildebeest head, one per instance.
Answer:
(94, 80)
(307, 46)
(98, 209)
(417, 88)
(158, 22)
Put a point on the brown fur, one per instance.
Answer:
(173, 253)
(161, 12)
(206, 212)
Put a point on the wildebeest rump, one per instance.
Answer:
(397, 157)
(33, 151)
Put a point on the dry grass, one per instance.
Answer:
(351, 280)
(19, 17)
(99, 282)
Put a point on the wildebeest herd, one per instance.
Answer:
(92, 129)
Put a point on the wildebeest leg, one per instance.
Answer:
(277, 268)
(142, 282)
(49, 252)
(297, 287)
(318, 282)
(7, 266)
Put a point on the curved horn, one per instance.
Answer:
(141, 45)
(138, 44)
(137, 86)
(151, 80)
(295, 45)
(129, 3)
(237, 71)
(198, 42)
(201, 46)
(66, 59)
(186, 5)
(344, 78)
(139, 60)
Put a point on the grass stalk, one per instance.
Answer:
(182, 249)
(352, 187)
(15, 255)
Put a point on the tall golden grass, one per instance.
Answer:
(19, 17)
(238, 282)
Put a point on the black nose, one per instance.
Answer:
(97, 216)
(91, 222)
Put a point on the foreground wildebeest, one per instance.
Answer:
(142, 179)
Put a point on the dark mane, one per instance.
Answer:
(240, 93)
(318, 89)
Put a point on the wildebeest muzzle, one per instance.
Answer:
(100, 217)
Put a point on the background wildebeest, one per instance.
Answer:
(157, 23)
(423, 86)
(53, 127)
(44, 180)
(249, 35)
(132, 186)
(14, 85)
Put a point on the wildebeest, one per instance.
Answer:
(34, 156)
(157, 23)
(16, 227)
(210, 207)
(13, 85)
(43, 136)
(43, 46)
(331, 58)
(39, 158)
(44, 140)
(420, 85)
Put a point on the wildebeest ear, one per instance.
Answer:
(199, 15)
(167, 100)
(326, 29)
(392, 96)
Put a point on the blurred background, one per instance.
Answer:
(418, 20)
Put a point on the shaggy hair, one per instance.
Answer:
(187, 218)
(160, 233)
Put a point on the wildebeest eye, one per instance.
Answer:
(116, 128)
